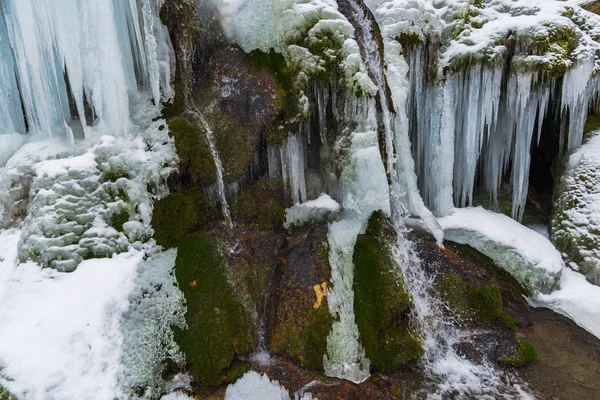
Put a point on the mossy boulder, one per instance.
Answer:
(218, 325)
(299, 318)
(382, 302)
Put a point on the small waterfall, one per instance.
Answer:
(219, 166)
(448, 373)
(220, 183)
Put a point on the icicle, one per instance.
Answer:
(91, 51)
(575, 97)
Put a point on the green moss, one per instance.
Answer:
(179, 214)
(218, 327)
(381, 302)
(314, 337)
(473, 305)
(592, 124)
(522, 355)
(262, 205)
(306, 340)
(5, 395)
(119, 218)
(235, 372)
(196, 164)
(114, 175)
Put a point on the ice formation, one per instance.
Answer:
(366, 186)
(88, 205)
(462, 122)
(71, 67)
(316, 209)
(156, 305)
(255, 386)
(575, 223)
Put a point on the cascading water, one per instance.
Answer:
(217, 160)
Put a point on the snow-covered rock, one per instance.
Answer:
(575, 224)
(527, 255)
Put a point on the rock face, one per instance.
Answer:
(299, 318)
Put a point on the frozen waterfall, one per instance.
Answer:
(70, 67)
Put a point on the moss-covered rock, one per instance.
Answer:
(262, 205)
(196, 164)
(523, 354)
(179, 214)
(218, 326)
(473, 305)
(382, 302)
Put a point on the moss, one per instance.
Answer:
(114, 175)
(179, 214)
(119, 218)
(196, 164)
(472, 255)
(314, 337)
(218, 327)
(522, 355)
(381, 302)
(305, 340)
(591, 124)
(286, 97)
(262, 205)
(473, 305)
(235, 372)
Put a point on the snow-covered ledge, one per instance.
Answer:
(526, 254)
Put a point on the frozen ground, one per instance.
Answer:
(577, 299)
(60, 333)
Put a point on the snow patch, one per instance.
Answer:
(61, 332)
(311, 210)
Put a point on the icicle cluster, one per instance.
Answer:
(73, 60)
(472, 126)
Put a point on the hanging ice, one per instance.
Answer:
(79, 60)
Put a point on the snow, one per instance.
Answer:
(60, 334)
(254, 386)
(311, 210)
(527, 255)
(9, 144)
(577, 299)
